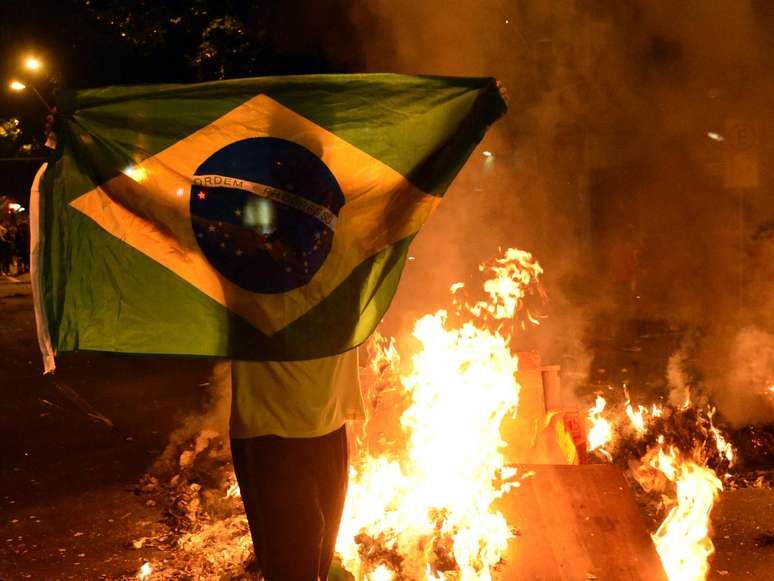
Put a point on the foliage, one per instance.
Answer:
(10, 132)
(214, 39)
(225, 50)
(200, 40)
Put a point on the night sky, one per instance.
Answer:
(90, 43)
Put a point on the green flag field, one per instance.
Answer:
(259, 219)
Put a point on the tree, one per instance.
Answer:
(10, 133)
(184, 40)
(199, 40)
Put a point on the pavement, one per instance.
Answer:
(15, 286)
(67, 508)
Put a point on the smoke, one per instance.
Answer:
(210, 423)
(679, 384)
(630, 164)
(742, 389)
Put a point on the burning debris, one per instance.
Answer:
(422, 492)
(682, 540)
(427, 512)
(681, 461)
(206, 534)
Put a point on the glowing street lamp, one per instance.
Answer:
(19, 86)
(32, 63)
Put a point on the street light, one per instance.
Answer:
(32, 63)
(19, 86)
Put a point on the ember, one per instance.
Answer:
(600, 432)
(145, 571)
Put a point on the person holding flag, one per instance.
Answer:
(263, 220)
(289, 447)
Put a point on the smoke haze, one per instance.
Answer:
(632, 163)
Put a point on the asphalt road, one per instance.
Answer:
(73, 444)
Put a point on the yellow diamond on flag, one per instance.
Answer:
(149, 208)
(259, 219)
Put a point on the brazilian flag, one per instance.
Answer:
(258, 219)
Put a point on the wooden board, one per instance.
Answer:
(577, 523)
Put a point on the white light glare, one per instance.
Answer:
(259, 214)
(488, 154)
(715, 136)
(136, 172)
(145, 571)
(32, 63)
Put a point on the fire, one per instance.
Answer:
(682, 540)
(687, 484)
(381, 573)
(514, 274)
(637, 417)
(601, 430)
(145, 571)
(233, 491)
(427, 511)
(724, 448)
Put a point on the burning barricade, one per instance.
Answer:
(674, 454)
(436, 455)
(420, 504)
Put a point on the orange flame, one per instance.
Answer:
(233, 491)
(513, 273)
(637, 417)
(724, 448)
(462, 385)
(601, 431)
(432, 504)
(682, 540)
(689, 487)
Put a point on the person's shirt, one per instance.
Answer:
(294, 399)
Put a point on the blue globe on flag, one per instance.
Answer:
(264, 213)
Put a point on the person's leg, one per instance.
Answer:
(293, 490)
(333, 477)
(278, 491)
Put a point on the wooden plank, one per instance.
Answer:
(577, 523)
